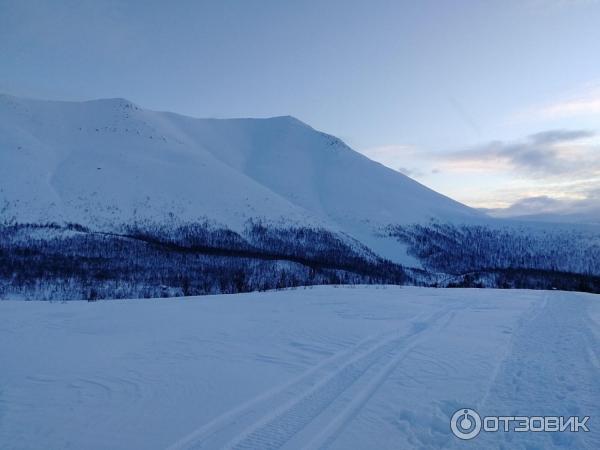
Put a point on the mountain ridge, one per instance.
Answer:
(104, 199)
(127, 164)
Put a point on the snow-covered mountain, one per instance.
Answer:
(106, 199)
(105, 163)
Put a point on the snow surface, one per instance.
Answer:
(104, 163)
(341, 368)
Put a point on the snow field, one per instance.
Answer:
(341, 368)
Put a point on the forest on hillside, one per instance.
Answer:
(528, 257)
(51, 261)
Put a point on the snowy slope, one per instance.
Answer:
(105, 163)
(108, 162)
(339, 368)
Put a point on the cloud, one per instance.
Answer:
(576, 107)
(545, 154)
(586, 210)
(584, 101)
(545, 172)
(529, 205)
(554, 136)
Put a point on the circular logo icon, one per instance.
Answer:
(465, 423)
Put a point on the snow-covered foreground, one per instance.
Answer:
(341, 368)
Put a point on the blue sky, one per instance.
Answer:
(490, 102)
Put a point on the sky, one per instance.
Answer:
(493, 103)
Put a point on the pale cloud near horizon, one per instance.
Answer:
(549, 171)
(548, 205)
(541, 155)
(583, 101)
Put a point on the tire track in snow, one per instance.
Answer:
(220, 430)
(275, 429)
(331, 431)
(229, 419)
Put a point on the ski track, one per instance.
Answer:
(263, 423)
(233, 415)
(387, 369)
(533, 386)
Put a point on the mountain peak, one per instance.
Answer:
(117, 102)
(287, 119)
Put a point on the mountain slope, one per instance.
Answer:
(105, 199)
(108, 163)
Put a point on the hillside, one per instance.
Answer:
(109, 163)
(103, 199)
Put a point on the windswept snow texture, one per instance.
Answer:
(340, 368)
(105, 163)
